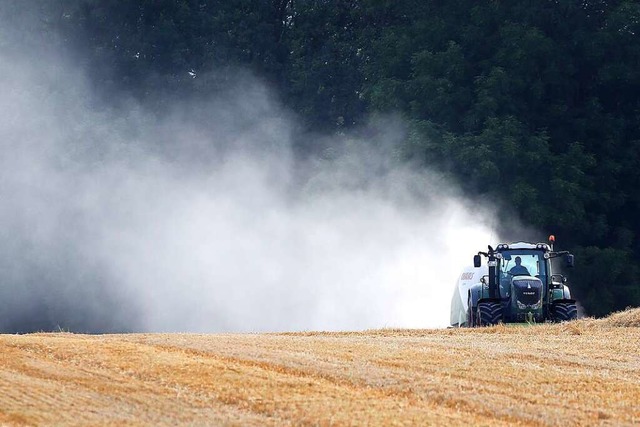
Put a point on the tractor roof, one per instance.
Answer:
(523, 245)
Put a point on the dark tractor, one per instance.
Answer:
(520, 286)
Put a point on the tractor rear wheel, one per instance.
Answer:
(489, 313)
(564, 312)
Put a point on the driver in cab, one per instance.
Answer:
(519, 269)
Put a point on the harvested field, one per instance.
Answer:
(582, 373)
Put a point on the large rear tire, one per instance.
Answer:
(564, 312)
(489, 313)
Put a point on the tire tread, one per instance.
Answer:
(564, 312)
(489, 313)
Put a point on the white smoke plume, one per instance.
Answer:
(205, 220)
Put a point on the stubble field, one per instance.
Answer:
(581, 373)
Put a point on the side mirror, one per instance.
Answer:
(477, 261)
(569, 260)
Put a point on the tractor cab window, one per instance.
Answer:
(522, 263)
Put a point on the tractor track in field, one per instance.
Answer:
(582, 373)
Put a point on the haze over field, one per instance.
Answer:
(115, 219)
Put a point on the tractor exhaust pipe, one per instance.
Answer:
(494, 291)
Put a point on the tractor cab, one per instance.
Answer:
(522, 270)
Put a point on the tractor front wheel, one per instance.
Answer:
(564, 312)
(489, 313)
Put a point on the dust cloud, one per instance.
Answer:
(205, 220)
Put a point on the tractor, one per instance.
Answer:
(517, 285)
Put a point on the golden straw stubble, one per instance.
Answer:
(580, 373)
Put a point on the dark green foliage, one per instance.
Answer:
(536, 104)
(324, 64)
(155, 49)
(606, 278)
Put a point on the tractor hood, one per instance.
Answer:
(527, 291)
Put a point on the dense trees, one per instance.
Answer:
(535, 103)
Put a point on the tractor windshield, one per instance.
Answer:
(523, 263)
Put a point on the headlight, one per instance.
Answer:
(535, 306)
